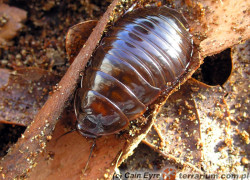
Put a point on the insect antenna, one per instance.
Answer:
(91, 151)
(73, 130)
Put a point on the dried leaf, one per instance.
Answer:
(220, 24)
(230, 123)
(177, 131)
(146, 162)
(225, 125)
(4, 77)
(212, 114)
(67, 156)
(10, 22)
(24, 94)
(76, 37)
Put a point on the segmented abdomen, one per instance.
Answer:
(146, 50)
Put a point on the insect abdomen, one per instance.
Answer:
(145, 50)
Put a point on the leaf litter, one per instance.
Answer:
(24, 94)
(11, 19)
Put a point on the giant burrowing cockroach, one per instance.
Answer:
(147, 50)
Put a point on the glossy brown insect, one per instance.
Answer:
(144, 51)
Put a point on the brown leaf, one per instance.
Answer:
(176, 133)
(220, 24)
(76, 37)
(230, 123)
(212, 113)
(4, 77)
(24, 94)
(238, 84)
(146, 162)
(224, 119)
(10, 22)
(67, 156)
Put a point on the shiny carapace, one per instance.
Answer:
(146, 50)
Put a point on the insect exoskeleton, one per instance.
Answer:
(144, 51)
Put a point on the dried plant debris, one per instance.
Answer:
(73, 150)
(177, 129)
(41, 42)
(238, 106)
(148, 164)
(225, 139)
(11, 19)
(218, 24)
(4, 77)
(76, 37)
(24, 94)
(238, 85)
